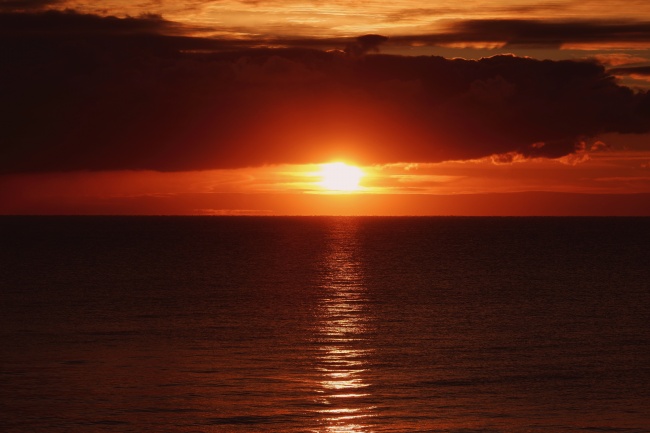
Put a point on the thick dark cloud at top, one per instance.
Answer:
(139, 100)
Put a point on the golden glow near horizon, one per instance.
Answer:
(390, 189)
(341, 177)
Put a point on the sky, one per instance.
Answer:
(231, 107)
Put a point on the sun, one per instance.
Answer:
(338, 176)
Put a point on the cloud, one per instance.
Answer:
(234, 212)
(535, 33)
(638, 70)
(125, 96)
(618, 59)
(27, 5)
(70, 23)
(640, 73)
(365, 44)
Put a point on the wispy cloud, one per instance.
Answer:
(618, 59)
(635, 70)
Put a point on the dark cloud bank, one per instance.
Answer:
(118, 94)
(537, 33)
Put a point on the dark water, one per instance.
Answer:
(358, 325)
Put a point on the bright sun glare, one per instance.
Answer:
(338, 176)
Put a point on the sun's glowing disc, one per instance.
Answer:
(338, 176)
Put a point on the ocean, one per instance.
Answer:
(324, 324)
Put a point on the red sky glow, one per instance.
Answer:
(231, 107)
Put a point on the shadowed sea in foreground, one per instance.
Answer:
(324, 324)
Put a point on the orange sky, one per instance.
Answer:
(342, 18)
(606, 183)
(181, 108)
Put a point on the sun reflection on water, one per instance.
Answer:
(342, 334)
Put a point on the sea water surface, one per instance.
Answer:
(324, 324)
